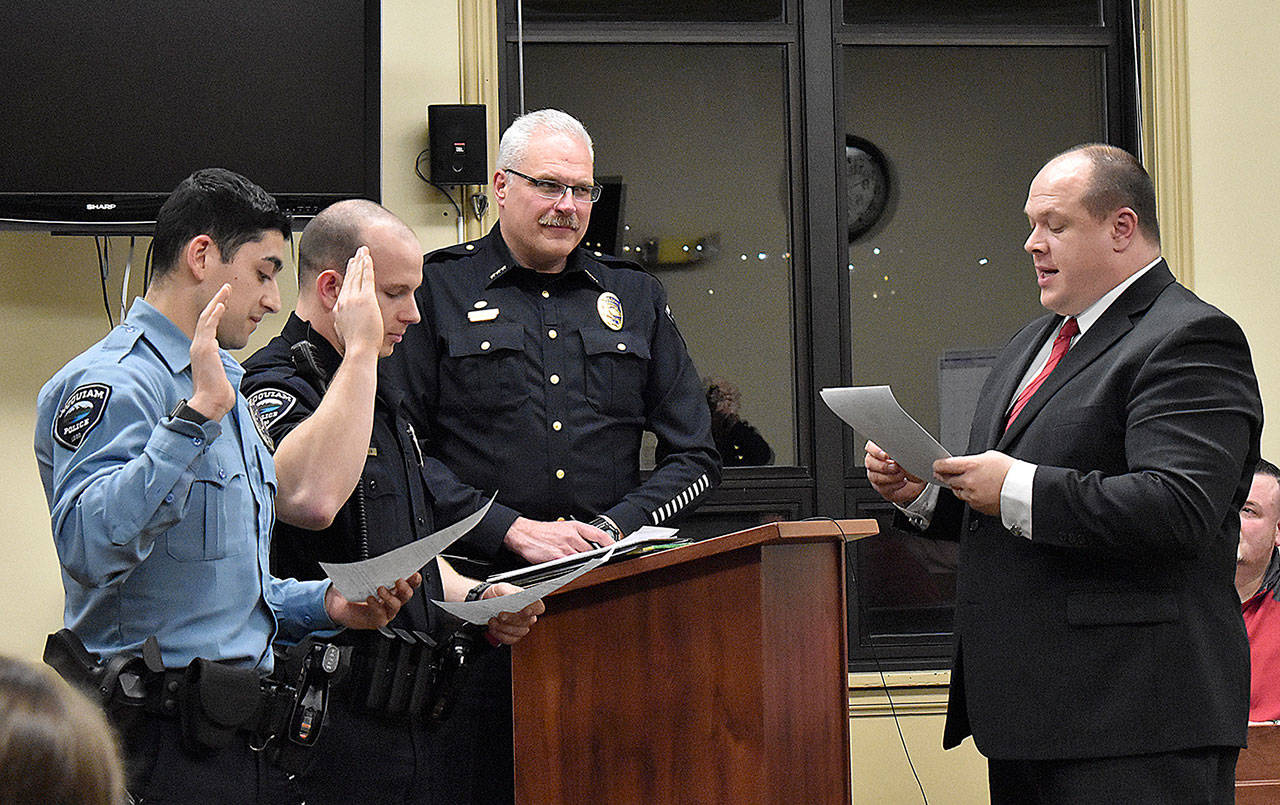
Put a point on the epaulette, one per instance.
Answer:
(613, 261)
(452, 252)
(119, 342)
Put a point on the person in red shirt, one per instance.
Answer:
(1258, 584)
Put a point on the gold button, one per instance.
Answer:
(556, 425)
(622, 347)
(559, 473)
(480, 304)
(559, 519)
(484, 345)
(551, 333)
(546, 294)
(555, 379)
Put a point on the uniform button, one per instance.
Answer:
(222, 474)
(559, 473)
(555, 379)
(480, 304)
(471, 247)
(551, 333)
(484, 345)
(197, 441)
(420, 521)
(168, 498)
(556, 425)
(373, 484)
(622, 347)
(1016, 530)
(546, 294)
(559, 519)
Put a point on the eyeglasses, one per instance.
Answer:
(554, 191)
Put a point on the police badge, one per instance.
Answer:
(609, 306)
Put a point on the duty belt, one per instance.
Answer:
(407, 674)
(215, 702)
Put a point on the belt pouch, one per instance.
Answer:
(216, 701)
(424, 677)
(401, 683)
(381, 670)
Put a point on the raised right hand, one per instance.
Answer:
(356, 315)
(539, 541)
(894, 484)
(211, 392)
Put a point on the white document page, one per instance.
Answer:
(479, 612)
(873, 412)
(359, 580)
(643, 534)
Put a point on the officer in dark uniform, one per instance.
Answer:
(351, 478)
(535, 370)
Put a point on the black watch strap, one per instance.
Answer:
(608, 526)
(475, 592)
(186, 412)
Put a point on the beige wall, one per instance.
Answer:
(1233, 73)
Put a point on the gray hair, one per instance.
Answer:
(515, 140)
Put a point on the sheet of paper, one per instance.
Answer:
(642, 535)
(479, 612)
(359, 580)
(873, 412)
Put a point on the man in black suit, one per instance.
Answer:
(1100, 654)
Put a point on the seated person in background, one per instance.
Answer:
(739, 444)
(55, 745)
(1258, 584)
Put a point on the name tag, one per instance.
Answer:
(488, 314)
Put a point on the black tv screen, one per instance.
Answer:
(108, 106)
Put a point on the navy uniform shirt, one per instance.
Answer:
(162, 526)
(392, 506)
(539, 386)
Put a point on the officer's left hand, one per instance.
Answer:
(976, 479)
(375, 612)
(509, 627)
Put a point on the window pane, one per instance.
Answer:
(653, 11)
(940, 282)
(696, 135)
(973, 12)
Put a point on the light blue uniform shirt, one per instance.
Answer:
(163, 527)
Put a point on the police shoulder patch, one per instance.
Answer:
(268, 405)
(80, 413)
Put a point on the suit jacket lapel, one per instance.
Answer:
(1006, 384)
(1106, 331)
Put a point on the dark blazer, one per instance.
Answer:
(1116, 629)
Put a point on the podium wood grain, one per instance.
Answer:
(711, 673)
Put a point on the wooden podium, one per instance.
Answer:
(1258, 769)
(711, 673)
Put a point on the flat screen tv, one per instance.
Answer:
(107, 106)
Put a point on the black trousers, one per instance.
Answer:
(1200, 776)
(160, 770)
(367, 757)
(475, 746)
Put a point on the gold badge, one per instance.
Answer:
(609, 306)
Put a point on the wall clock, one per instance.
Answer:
(866, 174)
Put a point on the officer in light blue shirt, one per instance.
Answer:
(161, 489)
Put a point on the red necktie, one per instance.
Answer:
(1060, 345)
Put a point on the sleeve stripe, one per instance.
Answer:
(690, 494)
